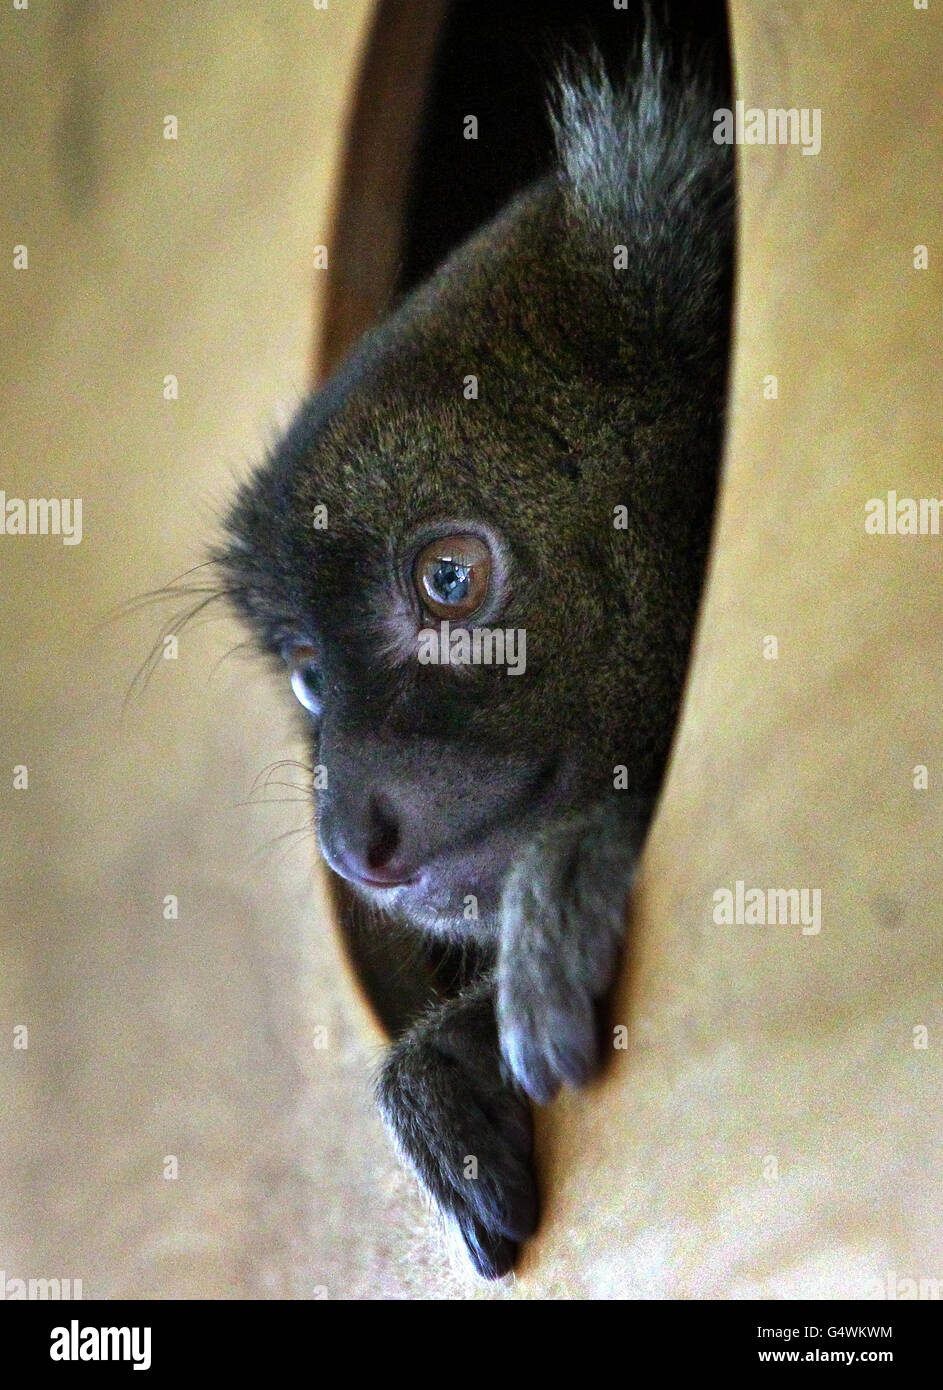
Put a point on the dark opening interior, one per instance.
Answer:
(496, 60)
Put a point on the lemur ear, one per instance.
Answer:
(640, 168)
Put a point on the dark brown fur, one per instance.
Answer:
(598, 388)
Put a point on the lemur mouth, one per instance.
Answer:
(385, 883)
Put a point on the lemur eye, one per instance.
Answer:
(453, 575)
(306, 679)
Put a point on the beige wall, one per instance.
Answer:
(150, 1037)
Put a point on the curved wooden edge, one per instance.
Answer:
(374, 177)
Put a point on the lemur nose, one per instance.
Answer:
(372, 855)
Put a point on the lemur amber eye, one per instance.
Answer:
(453, 576)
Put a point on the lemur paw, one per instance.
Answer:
(547, 1025)
(465, 1131)
(562, 922)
